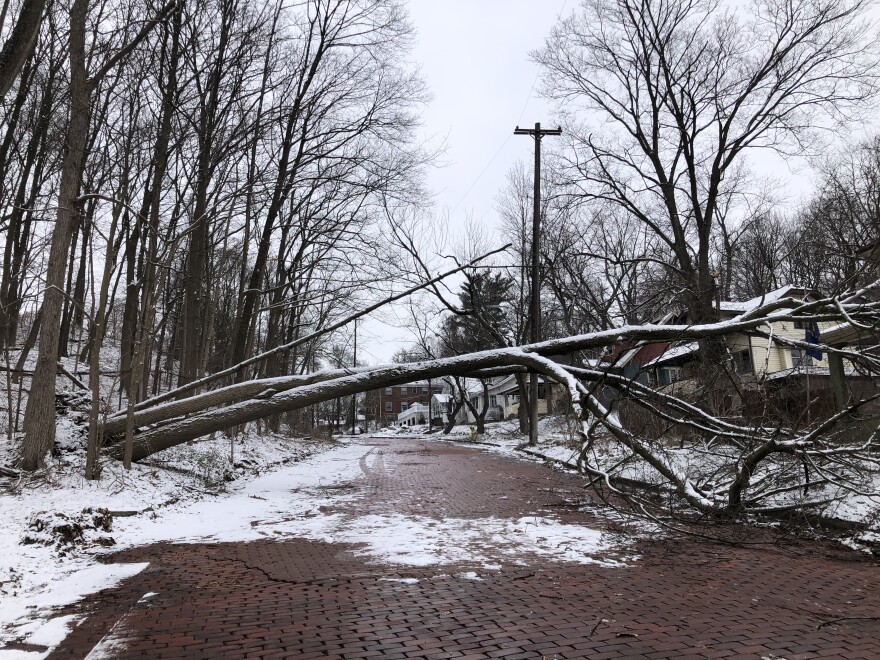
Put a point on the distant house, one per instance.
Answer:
(414, 415)
(391, 401)
(504, 398)
(441, 406)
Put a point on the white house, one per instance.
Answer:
(414, 415)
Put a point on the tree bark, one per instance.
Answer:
(21, 42)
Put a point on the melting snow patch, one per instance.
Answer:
(422, 541)
(49, 633)
(469, 575)
(401, 580)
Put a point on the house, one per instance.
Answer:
(441, 407)
(414, 415)
(662, 363)
(389, 402)
(504, 398)
(761, 363)
(845, 335)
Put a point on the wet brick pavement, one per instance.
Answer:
(683, 598)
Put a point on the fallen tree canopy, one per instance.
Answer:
(744, 468)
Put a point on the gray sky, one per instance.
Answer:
(474, 58)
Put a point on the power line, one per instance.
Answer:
(480, 175)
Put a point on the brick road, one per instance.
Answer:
(681, 598)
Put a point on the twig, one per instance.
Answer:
(847, 618)
(75, 380)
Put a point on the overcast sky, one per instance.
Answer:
(474, 56)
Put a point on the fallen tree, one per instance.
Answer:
(719, 467)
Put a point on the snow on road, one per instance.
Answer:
(295, 500)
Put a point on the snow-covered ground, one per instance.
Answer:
(54, 531)
(558, 446)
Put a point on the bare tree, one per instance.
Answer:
(20, 43)
(684, 92)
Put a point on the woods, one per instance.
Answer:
(213, 173)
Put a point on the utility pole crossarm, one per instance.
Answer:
(537, 131)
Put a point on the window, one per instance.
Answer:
(799, 325)
(389, 391)
(424, 390)
(800, 359)
(403, 390)
(743, 361)
(388, 407)
(403, 406)
(493, 400)
(668, 375)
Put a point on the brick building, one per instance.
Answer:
(389, 402)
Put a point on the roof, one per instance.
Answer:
(802, 370)
(787, 291)
(841, 333)
(674, 352)
(412, 411)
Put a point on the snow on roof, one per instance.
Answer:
(412, 411)
(789, 290)
(442, 397)
(674, 352)
(842, 333)
(624, 359)
(803, 370)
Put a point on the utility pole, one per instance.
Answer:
(354, 366)
(535, 307)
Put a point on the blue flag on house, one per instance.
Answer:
(811, 336)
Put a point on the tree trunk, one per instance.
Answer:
(39, 419)
(196, 291)
(19, 223)
(93, 470)
(450, 422)
(522, 410)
